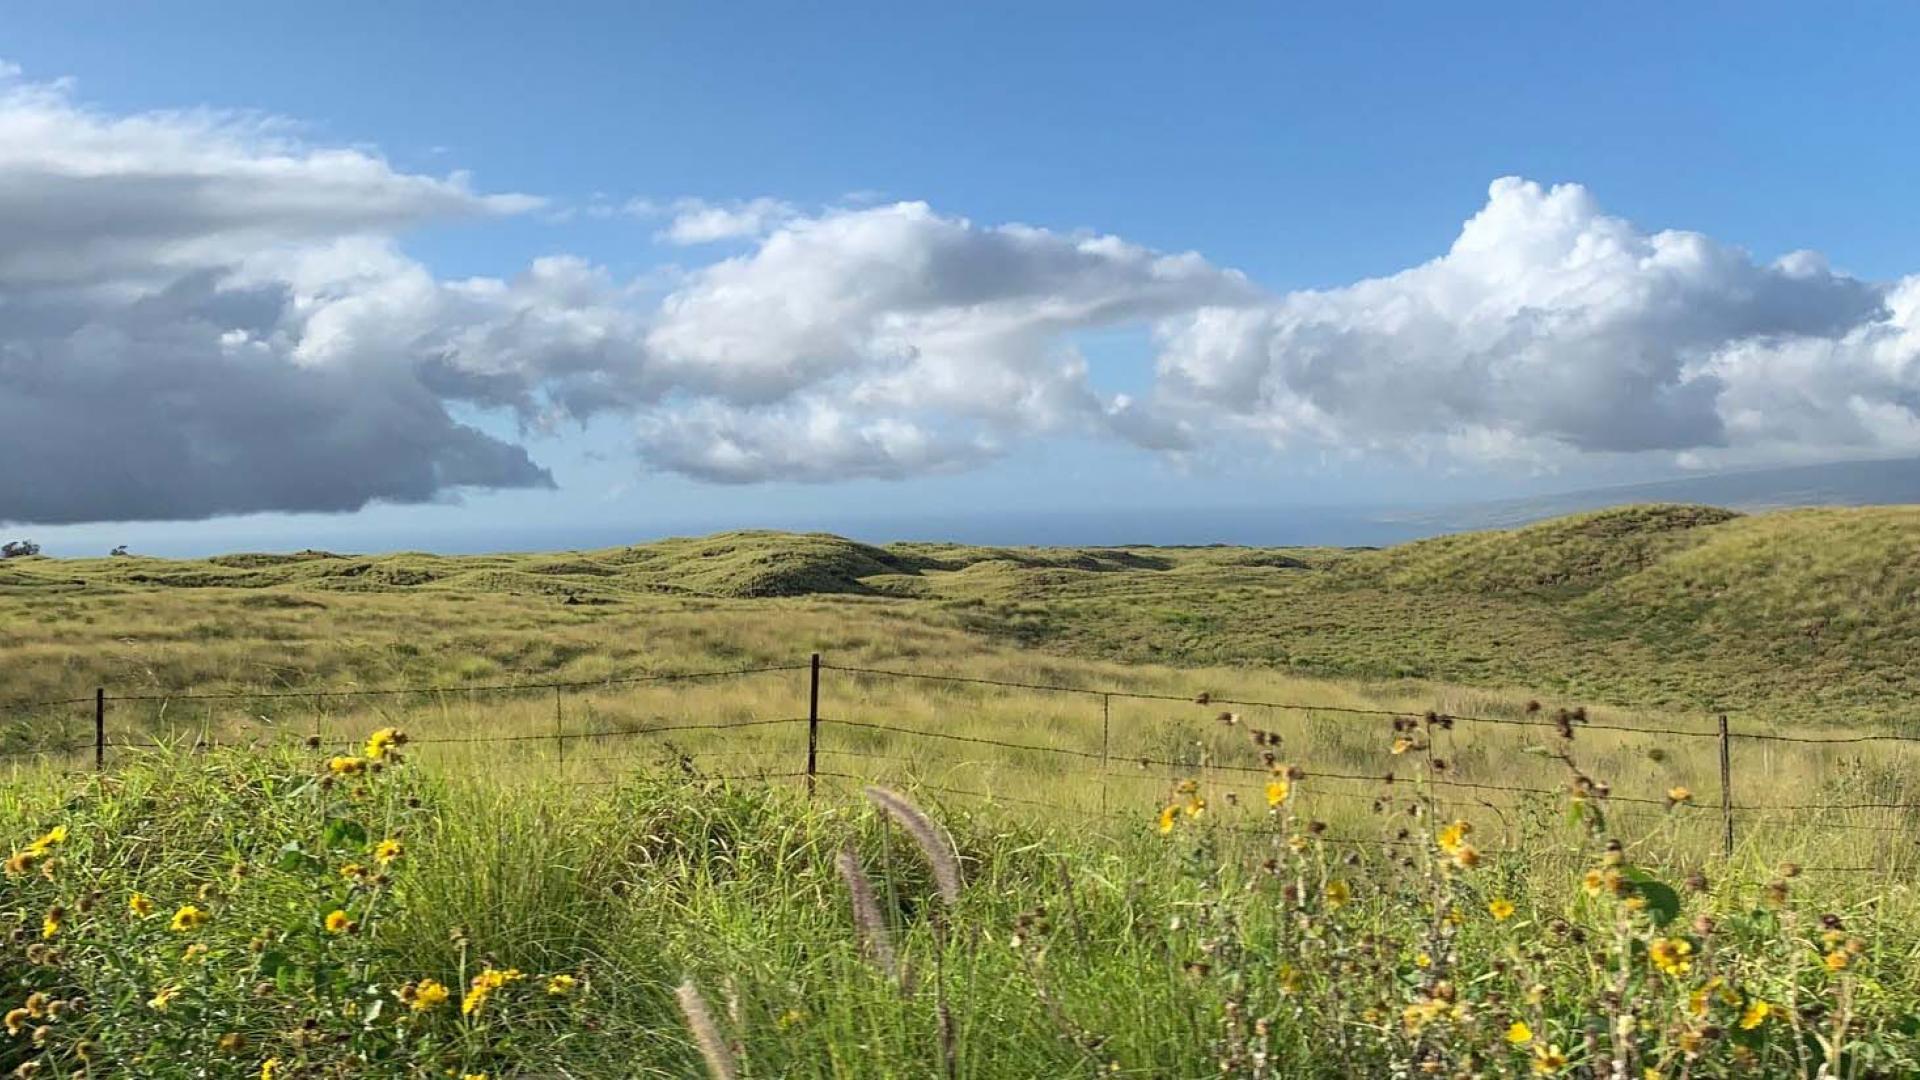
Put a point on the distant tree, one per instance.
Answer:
(13, 549)
(119, 552)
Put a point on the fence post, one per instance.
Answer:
(1726, 785)
(559, 729)
(1106, 722)
(813, 722)
(99, 729)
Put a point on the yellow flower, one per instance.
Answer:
(789, 1019)
(561, 985)
(56, 835)
(386, 851)
(1420, 1014)
(50, 926)
(429, 993)
(1519, 1034)
(36, 1005)
(1754, 1014)
(187, 918)
(1196, 806)
(163, 998)
(485, 984)
(1402, 745)
(1422, 960)
(1338, 893)
(139, 906)
(382, 742)
(1453, 836)
(338, 922)
(473, 1076)
(353, 871)
(194, 952)
(1670, 955)
(270, 1068)
(232, 1042)
(1548, 1060)
(17, 1021)
(1837, 960)
(346, 766)
(1501, 909)
(1168, 814)
(1679, 794)
(1277, 791)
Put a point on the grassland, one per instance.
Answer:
(1328, 932)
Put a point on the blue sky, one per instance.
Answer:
(1306, 149)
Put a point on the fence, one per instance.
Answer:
(1183, 745)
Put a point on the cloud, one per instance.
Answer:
(696, 221)
(202, 313)
(900, 313)
(1550, 328)
(152, 366)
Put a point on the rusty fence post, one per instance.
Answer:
(99, 729)
(813, 723)
(1726, 785)
(1106, 724)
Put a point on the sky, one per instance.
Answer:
(486, 276)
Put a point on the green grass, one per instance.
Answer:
(1069, 952)
(1086, 943)
(1798, 615)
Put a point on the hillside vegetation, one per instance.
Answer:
(1815, 613)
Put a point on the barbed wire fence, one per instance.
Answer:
(1100, 760)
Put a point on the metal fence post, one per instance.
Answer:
(1106, 723)
(559, 729)
(99, 729)
(1726, 784)
(813, 722)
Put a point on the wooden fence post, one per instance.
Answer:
(1726, 785)
(99, 729)
(813, 723)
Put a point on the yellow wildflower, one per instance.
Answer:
(163, 998)
(139, 906)
(347, 766)
(17, 1021)
(1519, 1034)
(561, 985)
(386, 851)
(1418, 1015)
(790, 1019)
(1402, 745)
(187, 918)
(1277, 791)
(270, 1068)
(1754, 1014)
(55, 835)
(1168, 814)
(1671, 955)
(353, 871)
(50, 925)
(1837, 960)
(1548, 1060)
(36, 1005)
(1196, 806)
(1338, 893)
(338, 922)
(231, 1043)
(383, 742)
(194, 952)
(429, 993)
(1422, 960)
(1454, 835)
(1500, 908)
(1678, 794)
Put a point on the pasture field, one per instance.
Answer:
(1148, 884)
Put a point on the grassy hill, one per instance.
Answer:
(1814, 613)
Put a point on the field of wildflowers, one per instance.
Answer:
(298, 913)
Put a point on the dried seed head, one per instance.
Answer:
(938, 852)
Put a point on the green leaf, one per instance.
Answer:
(344, 832)
(1663, 904)
(293, 858)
